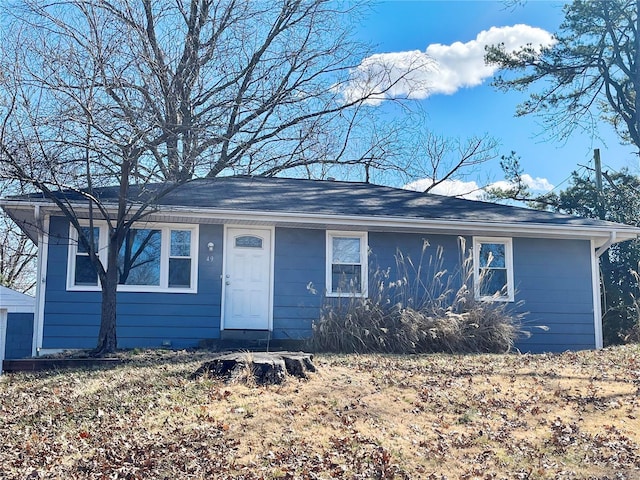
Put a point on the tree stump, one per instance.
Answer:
(261, 368)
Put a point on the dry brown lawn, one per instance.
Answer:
(567, 416)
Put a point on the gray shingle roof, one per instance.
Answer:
(349, 198)
(321, 197)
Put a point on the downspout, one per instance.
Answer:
(595, 283)
(38, 315)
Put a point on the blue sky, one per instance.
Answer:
(394, 27)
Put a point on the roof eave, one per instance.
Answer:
(600, 233)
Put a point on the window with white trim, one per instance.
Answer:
(84, 272)
(153, 258)
(493, 269)
(346, 264)
(180, 259)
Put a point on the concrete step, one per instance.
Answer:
(245, 335)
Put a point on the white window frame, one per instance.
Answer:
(165, 250)
(508, 254)
(364, 254)
(73, 252)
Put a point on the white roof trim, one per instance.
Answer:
(15, 301)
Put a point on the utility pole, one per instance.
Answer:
(597, 165)
(599, 191)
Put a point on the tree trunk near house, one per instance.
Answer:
(261, 368)
(107, 338)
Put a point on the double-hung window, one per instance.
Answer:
(84, 272)
(493, 269)
(180, 259)
(153, 258)
(346, 263)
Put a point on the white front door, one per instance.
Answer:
(247, 279)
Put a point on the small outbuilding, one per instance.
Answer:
(16, 324)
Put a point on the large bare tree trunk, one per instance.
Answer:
(107, 338)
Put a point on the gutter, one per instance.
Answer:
(612, 239)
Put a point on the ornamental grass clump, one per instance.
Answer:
(425, 309)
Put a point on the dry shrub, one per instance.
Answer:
(427, 309)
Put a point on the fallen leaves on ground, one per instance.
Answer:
(435, 417)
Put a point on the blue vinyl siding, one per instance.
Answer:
(19, 335)
(72, 318)
(299, 262)
(552, 281)
(385, 247)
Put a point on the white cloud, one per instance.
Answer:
(537, 184)
(472, 191)
(450, 188)
(440, 69)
